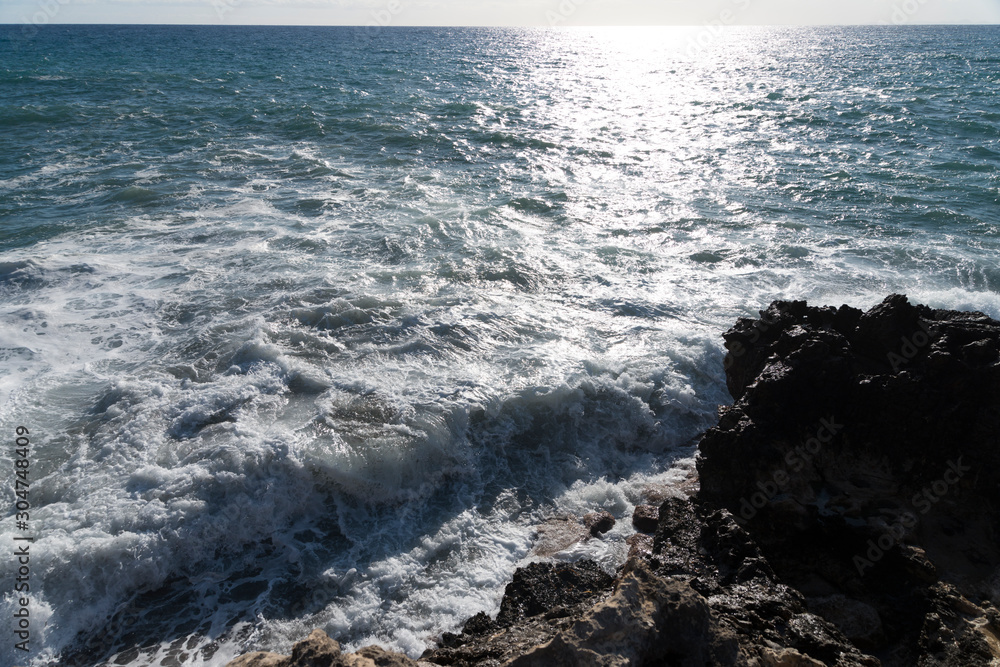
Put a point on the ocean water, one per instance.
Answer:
(312, 327)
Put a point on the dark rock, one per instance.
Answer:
(480, 624)
(861, 454)
(381, 658)
(728, 568)
(647, 620)
(640, 546)
(318, 650)
(645, 518)
(543, 600)
(598, 522)
(544, 587)
(858, 621)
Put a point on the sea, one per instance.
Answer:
(314, 327)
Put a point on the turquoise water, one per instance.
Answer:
(312, 327)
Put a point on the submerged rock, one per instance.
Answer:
(598, 522)
(559, 534)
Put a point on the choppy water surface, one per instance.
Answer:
(311, 327)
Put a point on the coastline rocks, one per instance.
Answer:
(838, 411)
(542, 600)
(318, 650)
(706, 595)
(640, 545)
(844, 514)
(647, 620)
(558, 534)
(862, 453)
(858, 621)
(598, 522)
(727, 567)
(645, 518)
(546, 587)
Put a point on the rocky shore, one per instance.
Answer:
(844, 513)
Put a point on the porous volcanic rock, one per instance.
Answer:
(318, 650)
(543, 587)
(645, 517)
(862, 454)
(542, 600)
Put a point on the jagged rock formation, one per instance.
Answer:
(862, 455)
(846, 515)
(724, 564)
(318, 650)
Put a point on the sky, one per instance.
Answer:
(502, 12)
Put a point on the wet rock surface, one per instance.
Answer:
(645, 518)
(541, 601)
(318, 650)
(844, 513)
(599, 522)
(545, 587)
(557, 534)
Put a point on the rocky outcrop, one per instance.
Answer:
(701, 593)
(537, 605)
(598, 523)
(844, 513)
(725, 565)
(862, 454)
(645, 518)
(318, 650)
(645, 619)
(546, 587)
(559, 533)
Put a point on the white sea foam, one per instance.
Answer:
(330, 359)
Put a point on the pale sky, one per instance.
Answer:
(501, 12)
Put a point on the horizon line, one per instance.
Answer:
(883, 24)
